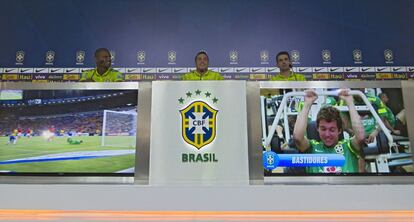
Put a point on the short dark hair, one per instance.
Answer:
(282, 53)
(199, 53)
(329, 114)
(100, 50)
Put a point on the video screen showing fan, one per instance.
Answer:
(335, 131)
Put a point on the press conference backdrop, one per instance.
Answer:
(49, 40)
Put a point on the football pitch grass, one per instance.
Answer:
(38, 146)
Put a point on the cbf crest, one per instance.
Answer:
(198, 118)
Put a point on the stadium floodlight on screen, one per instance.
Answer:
(119, 128)
(333, 131)
(66, 132)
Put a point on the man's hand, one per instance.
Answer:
(344, 95)
(371, 137)
(396, 132)
(310, 97)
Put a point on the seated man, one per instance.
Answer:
(103, 71)
(329, 127)
(202, 72)
(284, 64)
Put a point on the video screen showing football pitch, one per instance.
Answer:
(69, 131)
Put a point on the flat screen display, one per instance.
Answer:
(335, 132)
(69, 131)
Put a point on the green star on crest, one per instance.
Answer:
(215, 100)
(208, 94)
(181, 100)
(189, 94)
(197, 92)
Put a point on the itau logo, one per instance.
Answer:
(198, 118)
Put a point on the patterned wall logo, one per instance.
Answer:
(141, 57)
(113, 56)
(326, 56)
(357, 54)
(20, 57)
(80, 57)
(389, 56)
(264, 57)
(172, 57)
(233, 56)
(50, 57)
(295, 56)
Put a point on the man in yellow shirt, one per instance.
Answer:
(103, 71)
(284, 64)
(202, 72)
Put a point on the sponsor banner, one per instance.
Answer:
(337, 76)
(133, 77)
(320, 69)
(336, 69)
(321, 76)
(149, 70)
(26, 70)
(268, 69)
(367, 69)
(10, 70)
(72, 70)
(39, 80)
(302, 69)
(10, 77)
(351, 69)
(382, 69)
(163, 77)
(164, 70)
(71, 77)
(226, 70)
(41, 70)
(55, 77)
(25, 77)
(133, 70)
(242, 76)
(262, 76)
(121, 70)
(242, 70)
(185, 70)
(384, 76)
(56, 70)
(398, 69)
(40, 76)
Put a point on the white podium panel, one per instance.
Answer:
(199, 133)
